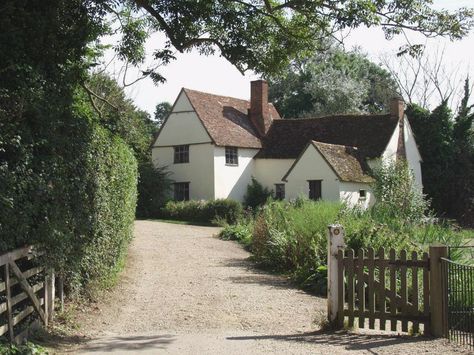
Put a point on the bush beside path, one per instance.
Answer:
(184, 291)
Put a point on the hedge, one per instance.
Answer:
(73, 195)
(203, 211)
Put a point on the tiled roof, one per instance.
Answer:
(347, 162)
(370, 134)
(226, 119)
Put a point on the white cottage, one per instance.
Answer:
(213, 145)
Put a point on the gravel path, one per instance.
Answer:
(186, 292)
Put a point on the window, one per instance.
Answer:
(280, 191)
(181, 191)
(181, 154)
(362, 194)
(314, 189)
(231, 156)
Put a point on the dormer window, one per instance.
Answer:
(181, 154)
(231, 156)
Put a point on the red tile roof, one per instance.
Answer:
(287, 138)
(345, 141)
(347, 162)
(226, 119)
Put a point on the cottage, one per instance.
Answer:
(213, 145)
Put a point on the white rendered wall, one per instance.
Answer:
(269, 172)
(390, 152)
(413, 155)
(231, 181)
(183, 126)
(350, 193)
(312, 166)
(199, 172)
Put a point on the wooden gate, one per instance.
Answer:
(374, 287)
(26, 294)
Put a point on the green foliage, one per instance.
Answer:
(120, 116)
(241, 231)
(25, 349)
(332, 82)
(292, 237)
(396, 194)
(66, 184)
(110, 197)
(117, 113)
(256, 194)
(446, 144)
(204, 211)
(162, 111)
(154, 187)
(264, 36)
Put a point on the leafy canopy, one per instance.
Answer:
(446, 144)
(264, 35)
(332, 82)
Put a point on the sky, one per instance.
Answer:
(215, 75)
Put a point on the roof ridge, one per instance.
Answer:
(336, 116)
(333, 144)
(223, 96)
(215, 95)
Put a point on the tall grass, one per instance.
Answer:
(291, 237)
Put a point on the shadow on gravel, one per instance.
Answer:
(350, 341)
(111, 344)
(259, 275)
(263, 279)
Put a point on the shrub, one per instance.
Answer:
(108, 204)
(291, 237)
(203, 211)
(396, 194)
(241, 232)
(154, 188)
(80, 210)
(256, 194)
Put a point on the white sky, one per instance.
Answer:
(215, 75)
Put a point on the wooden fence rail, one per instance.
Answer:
(27, 291)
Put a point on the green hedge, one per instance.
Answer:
(111, 201)
(203, 211)
(73, 195)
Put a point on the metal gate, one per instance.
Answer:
(458, 280)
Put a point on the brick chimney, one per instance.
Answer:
(397, 110)
(259, 112)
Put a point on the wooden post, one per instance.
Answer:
(438, 317)
(49, 293)
(335, 243)
(61, 292)
(11, 335)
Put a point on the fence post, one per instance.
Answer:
(438, 319)
(49, 296)
(335, 242)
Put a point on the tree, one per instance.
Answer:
(114, 111)
(332, 82)
(262, 35)
(162, 111)
(425, 78)
(446, 145)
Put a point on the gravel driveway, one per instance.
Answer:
(186, 292)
